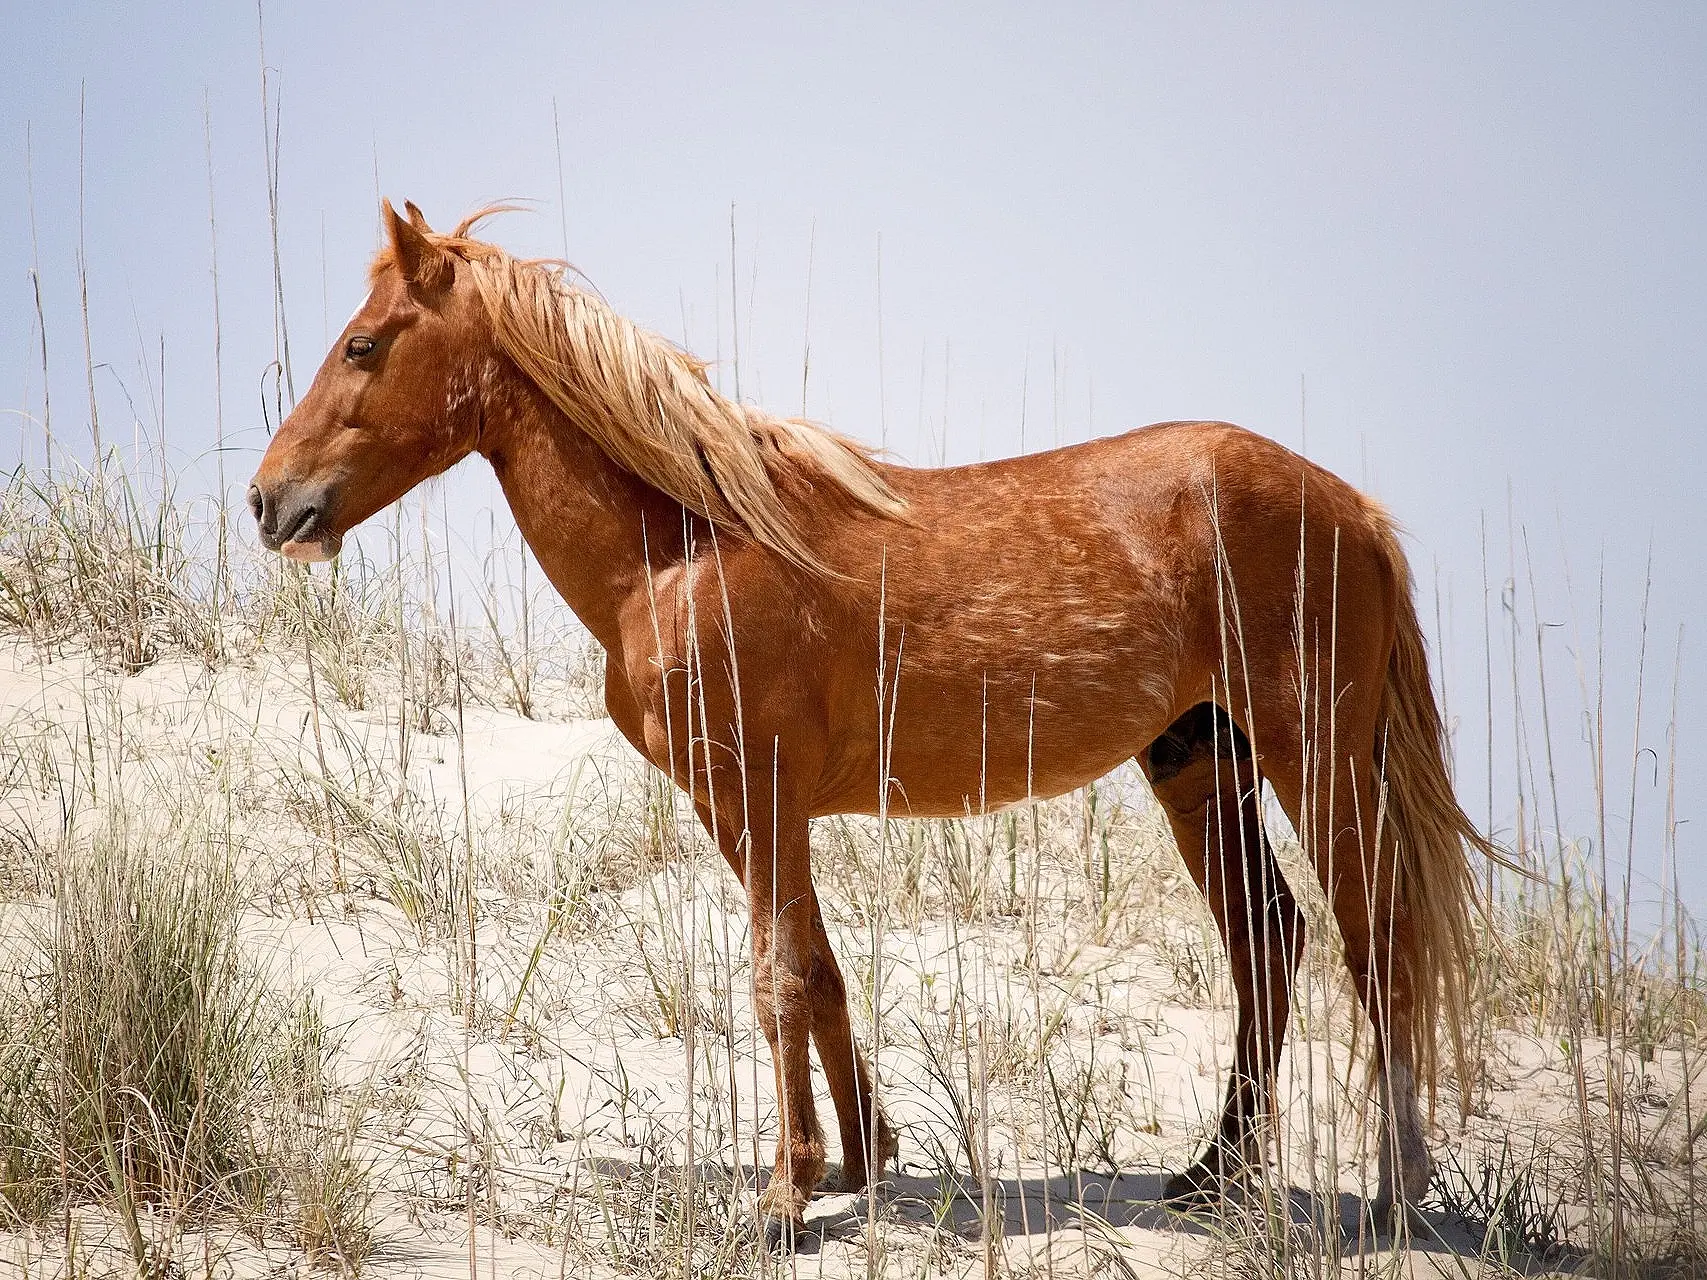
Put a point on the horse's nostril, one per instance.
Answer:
(255, 502)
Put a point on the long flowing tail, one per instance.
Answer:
(1431, 834)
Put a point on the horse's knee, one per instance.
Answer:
(781, 993)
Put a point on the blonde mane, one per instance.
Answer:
(648, 405)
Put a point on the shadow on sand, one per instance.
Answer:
(1097, 1202)
(1082, 1199)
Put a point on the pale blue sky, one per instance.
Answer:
(1474, 232)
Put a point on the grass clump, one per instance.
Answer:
(150, 1061)
(92, 558)
(1501, 1196)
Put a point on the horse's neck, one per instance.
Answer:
(597, 530)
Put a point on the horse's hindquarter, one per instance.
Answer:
(1031, 614)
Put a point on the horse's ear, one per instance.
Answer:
(422, 263)
(417, 219)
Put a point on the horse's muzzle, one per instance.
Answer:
(292, 520)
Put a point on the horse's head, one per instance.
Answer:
(395, 402)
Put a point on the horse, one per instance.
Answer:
(797, 627)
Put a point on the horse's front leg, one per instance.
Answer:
(774, 866)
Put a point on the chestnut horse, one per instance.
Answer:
(795, 628)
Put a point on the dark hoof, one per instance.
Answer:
(784, 1236)
(842, 1181)
(1199, 1187)
(846, 1179)
(854, 1174)
(1395, 1218)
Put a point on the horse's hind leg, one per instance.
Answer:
(1359, 877)
(1202, 773)
(1357, 873)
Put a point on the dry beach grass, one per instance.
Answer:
(339, 930)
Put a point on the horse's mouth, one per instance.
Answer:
(317, 551)
(310, 542)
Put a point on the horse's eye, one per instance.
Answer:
(359, 347)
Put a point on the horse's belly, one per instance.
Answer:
(957, 793)
(951, 766)
(985, 716)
